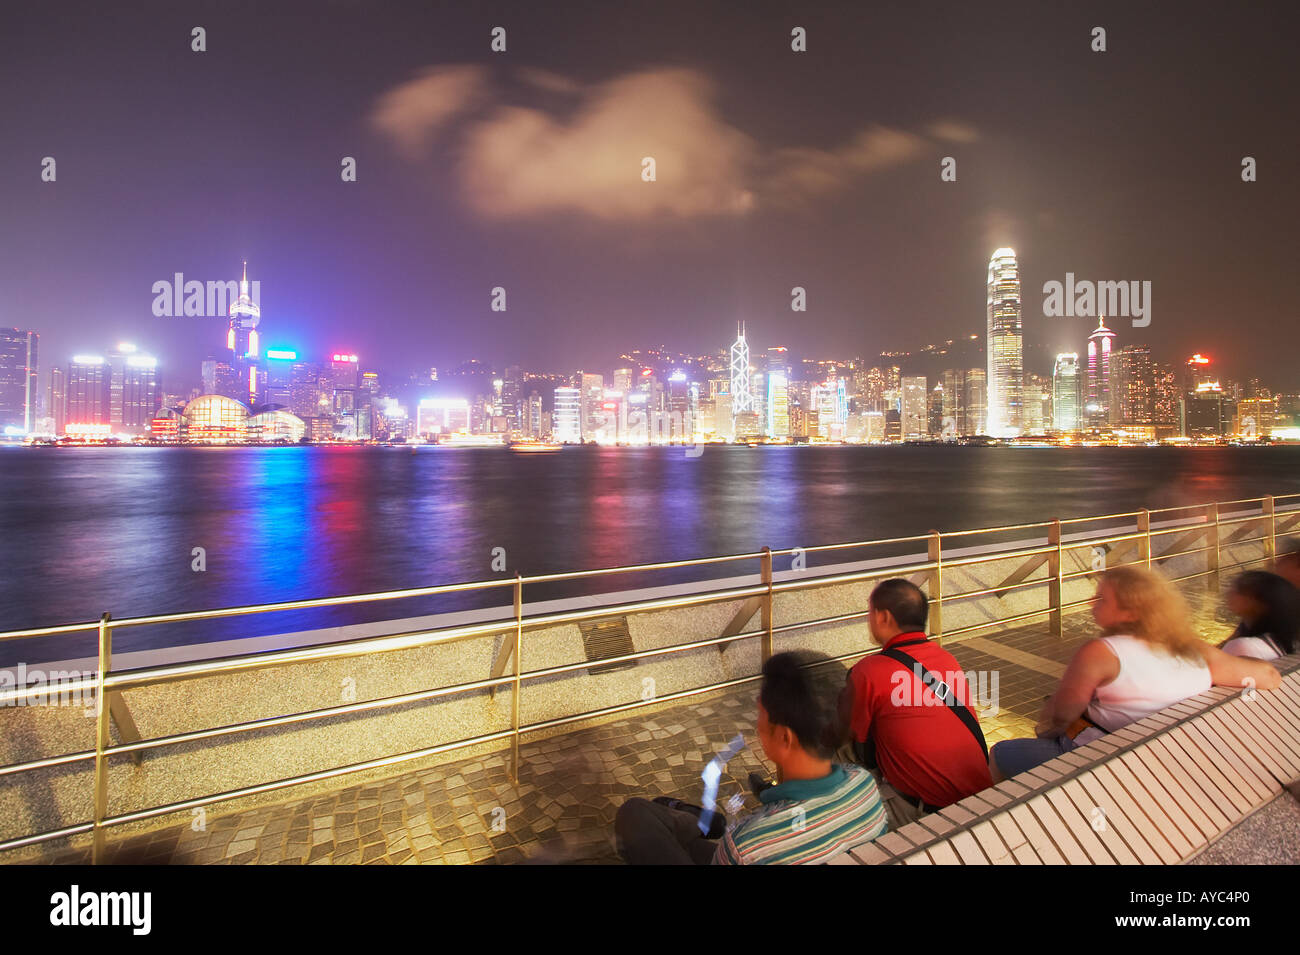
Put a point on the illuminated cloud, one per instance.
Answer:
(412, 113)
(521, 160)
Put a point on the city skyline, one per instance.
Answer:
(819, 170)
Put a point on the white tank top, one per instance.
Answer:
(1149, 680)
(1257, 648)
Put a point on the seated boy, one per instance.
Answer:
(816, 810)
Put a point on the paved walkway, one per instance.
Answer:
(570, 786)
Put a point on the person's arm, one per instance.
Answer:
(1093, 665)
(1229, 670)
(850, 715)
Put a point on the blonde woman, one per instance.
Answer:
(1148, 657)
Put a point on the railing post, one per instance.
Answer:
(767, 604)
(936, 585)
(1212, 547)
(1270, 544)
(101, 741)
(514, 694)
(1055, 578)
(1144, 542)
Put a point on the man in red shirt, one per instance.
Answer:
(921, 746)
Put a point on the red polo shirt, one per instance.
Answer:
(922, 748)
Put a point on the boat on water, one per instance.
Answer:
(534, 447)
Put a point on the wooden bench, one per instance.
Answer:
(1155, 792)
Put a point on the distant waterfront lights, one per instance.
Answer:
(88, 359)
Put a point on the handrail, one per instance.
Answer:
(107, 685)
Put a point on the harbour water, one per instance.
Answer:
(89, 530)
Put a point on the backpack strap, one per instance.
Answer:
(943, 691)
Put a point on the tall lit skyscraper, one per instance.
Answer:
(242, 341)
(1098, 412)
(1133, 387)
(18, 392)
(976, 401)
(566, 422)
(133, 390)
(916, 424)
(1065, 392)
(1005, 346)
(778, 404)
(57, 406)
(741, 400)
(88, 390)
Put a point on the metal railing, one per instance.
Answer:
(1209, 522)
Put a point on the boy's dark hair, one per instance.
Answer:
(906, 601)
(800, 693)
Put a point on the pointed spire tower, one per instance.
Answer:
(1099, 408)
(741, 400)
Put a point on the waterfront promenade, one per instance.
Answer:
(570, 786)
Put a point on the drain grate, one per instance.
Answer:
(602, 639)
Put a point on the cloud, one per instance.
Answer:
(523, 160)
(412, 113)
(803, 173)
(952, 131)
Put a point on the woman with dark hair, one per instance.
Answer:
(1269, 608)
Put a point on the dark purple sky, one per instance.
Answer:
(521, 170)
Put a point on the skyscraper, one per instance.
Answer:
(57, 406)
(915, 408)
(567, 418)
(88, 391)
(778, 404)
(977, 408)
(18, 392)
(741, 400)
(1005, 346)
(1133, 387)
(133, 390)
(1098, 412)
(1065, 392)
(242, 341)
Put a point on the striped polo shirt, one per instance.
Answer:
(807, 820)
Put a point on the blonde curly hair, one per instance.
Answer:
(1160, 612)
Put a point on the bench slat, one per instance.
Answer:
(1078, 825)
(1116, 833)
(1153, 799)
(1139, 818)
(1285, 728)
(1257, 778)
(1242, 727)
(1205, 765)
(1038, 838)
(1179, 785)
(943, 854)
(870, 854)
(992, 844)
(968, 848)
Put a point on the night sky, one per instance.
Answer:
(522, 169)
